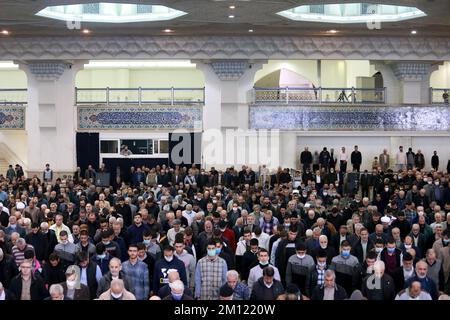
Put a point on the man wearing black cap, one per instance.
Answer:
(299, 266)
(267, 288)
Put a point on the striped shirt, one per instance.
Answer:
(19, 255)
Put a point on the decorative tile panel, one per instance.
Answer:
(411, 70)
(333, 118)
(12, 118)
(140, 117)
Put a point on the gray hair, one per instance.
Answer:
(56, 288)
(233, 273)
(330, 273)
(177, 285)
(115, 260)
(117, 282)
(21, 241)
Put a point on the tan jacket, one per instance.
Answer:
(127, 295)
(444, 253)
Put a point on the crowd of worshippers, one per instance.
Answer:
(298, 236)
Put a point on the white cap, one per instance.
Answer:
(385, 219)
(307, 205)
(20, 206)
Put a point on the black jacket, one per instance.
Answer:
(53, 275)
(40, 243)
(385, 292)
(339, 293)
(357, 250)
(261, 292)
(8, 270)
(37, 288)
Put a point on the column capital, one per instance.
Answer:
(413, 71)
(232, 69)
(50, 70)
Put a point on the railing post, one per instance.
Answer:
(140, 96)
(384, 95)
(107, 96)
(353, 95)
(204, 95)
(431, 95)
(320, 95)
(287, 95)
(172, 95)
(76, 96)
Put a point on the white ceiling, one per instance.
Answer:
(210, 17)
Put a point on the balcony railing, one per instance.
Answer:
(169, 96)
(439, 96)
(288, 95)
(13, 96)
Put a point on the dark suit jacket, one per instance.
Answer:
(339, 293)
(80, 294)
(357, 250)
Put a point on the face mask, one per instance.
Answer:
(378, 250)
(234, 209)
(287, 225)
(437, 183)
(218, 251)
(211, 252)
(65, 242)
(116, 295)
(264, 263)
(321, 264)
(430, 182)
(101, 256)
(301, 256)
(325, 194)
(408, 246)
(168, 259)
(446, 241)
(177, 296)
(323, 246)
(71, 283)
(346, 253)
(146, 242)
(386, 189)
(391, 250)
(106, 242)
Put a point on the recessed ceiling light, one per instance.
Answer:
(168, 30)
(414, 32)
(332, 31)
(250, 30)
(232, 7)
(231, 16)
(5, 32)
(86, 31)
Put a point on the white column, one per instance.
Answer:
(390, 82)
(51, 116)
(414, 80)
(212, 110)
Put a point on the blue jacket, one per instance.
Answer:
(135, 233)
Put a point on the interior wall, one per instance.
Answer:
(13, 79)
(16, 145)
(306, 68)
(441, 77)
(134, 78)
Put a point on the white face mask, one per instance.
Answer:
(71, 283)
(301, 256)
(116, 295)
(168, 259)
(378, 250)
(408, 246)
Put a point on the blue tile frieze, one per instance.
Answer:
(376, 118)
(143, 117)
(12, 118)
